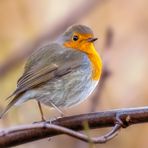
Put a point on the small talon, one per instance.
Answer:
(35, 122)
(52, 119)
(43, 120)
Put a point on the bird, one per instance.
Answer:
(60, 74)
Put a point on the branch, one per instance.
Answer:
(53, 31)
(68, 125)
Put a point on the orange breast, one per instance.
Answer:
(96, 63)
(88, 48)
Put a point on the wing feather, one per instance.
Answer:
(49, 64)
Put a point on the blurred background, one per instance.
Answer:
(125, 56)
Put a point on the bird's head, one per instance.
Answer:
(80, 37)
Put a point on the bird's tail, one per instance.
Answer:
(11, 103)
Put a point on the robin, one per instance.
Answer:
(61, 74)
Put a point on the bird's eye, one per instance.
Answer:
(75, 38)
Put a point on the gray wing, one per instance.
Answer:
(52, 61)
(45, 64)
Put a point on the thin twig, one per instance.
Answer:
(72, 133)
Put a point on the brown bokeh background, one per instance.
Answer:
(21, 21)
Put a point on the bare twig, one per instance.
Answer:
(68, 125)
(63, 130)
(54, 30)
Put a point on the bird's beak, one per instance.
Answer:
(91, 39)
